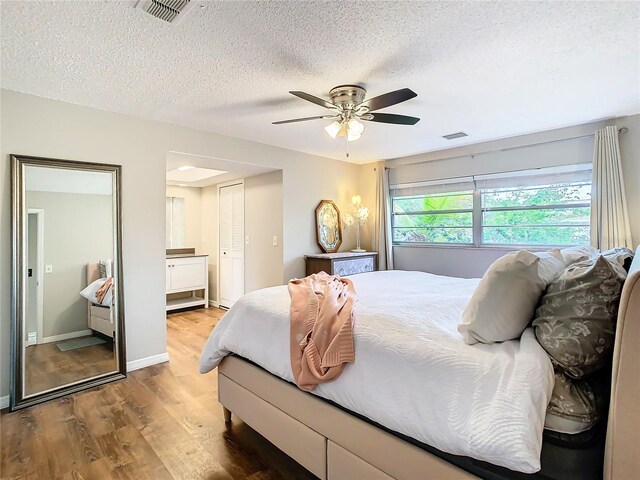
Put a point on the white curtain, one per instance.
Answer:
(609, 215)
(382, 227)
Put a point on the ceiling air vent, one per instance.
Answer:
(453, 136)
(168, 10)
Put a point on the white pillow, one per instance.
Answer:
(90, 293)
(577, 253)
(504, 301)
(550, 265)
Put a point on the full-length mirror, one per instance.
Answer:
(68, 324)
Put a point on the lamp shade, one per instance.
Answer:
(355, 129)
(333, 129)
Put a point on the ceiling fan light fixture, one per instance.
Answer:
(344, 129)
(333, 128)
(351, 137)
(355, 128)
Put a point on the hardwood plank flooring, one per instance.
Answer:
(48, 367)
(161, 422)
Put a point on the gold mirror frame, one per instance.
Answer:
(326, 208)
(18, 399)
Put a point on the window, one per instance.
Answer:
(175, 222)
(556, 214)
(435, 218)
(549, 206)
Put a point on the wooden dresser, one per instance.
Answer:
(342, 263)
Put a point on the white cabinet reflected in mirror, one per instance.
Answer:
(68, 323)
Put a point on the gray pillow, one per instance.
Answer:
(575, 322)
(102, 266)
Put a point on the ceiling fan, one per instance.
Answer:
(348, 107)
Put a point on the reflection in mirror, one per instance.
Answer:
(69, 325)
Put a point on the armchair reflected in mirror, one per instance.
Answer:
(68, 321)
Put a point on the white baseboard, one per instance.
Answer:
(66, 336)
(213, 303)
(32, 339)
(4, 402)
(147, 361)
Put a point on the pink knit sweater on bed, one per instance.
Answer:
(321, 328)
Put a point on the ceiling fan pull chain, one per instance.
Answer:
(346, 139)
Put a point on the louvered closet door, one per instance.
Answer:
(231, 244)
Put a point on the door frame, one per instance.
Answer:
(39, 213)
(219, 186)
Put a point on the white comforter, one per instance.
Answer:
(413, 373)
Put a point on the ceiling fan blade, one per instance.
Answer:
(392, 118)
(388, 99)
(312, 99)
(303, 119)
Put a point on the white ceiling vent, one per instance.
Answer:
(453, 136)
(168, 10)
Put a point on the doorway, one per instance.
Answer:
(34, 317)
(231, 243)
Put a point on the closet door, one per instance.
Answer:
(231, 256)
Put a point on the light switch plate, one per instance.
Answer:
(48, 269)
(246, 239)
(275, 240)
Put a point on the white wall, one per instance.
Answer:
(209, 222)
(48, 128)
(522, 152)
(192, 214)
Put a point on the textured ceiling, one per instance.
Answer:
(491, 69)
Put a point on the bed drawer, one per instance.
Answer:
(307, 446)
(344, 465)
(101, 312)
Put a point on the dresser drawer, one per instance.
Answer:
(351, 266)
(343, 264)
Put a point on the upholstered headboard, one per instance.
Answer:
(622, 460)
(93, 272)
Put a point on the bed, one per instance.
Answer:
(339, 432)
(100, 317)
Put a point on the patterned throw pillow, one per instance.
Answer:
(575, 405)
(575, 322)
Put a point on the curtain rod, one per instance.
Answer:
(621, 131)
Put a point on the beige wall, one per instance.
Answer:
(48, 128)
(78, 229)
(367, 190)
(192, 215)
(263, 265)
(263, 205)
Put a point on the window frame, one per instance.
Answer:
(436, 212)
(477, 212)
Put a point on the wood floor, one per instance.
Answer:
(47, 367)
(162, 422)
